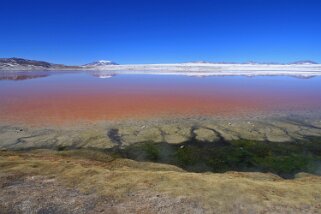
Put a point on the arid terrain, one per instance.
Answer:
(75, 182)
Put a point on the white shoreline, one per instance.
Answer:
(204, 74)
(204, 69)
(195, 69)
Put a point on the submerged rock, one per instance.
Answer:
(203, 134)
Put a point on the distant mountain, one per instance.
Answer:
(18, 64)
(304, 62)
(201, 62)
(100, 63)
(301, 62)
(23, 62)
(26, 64)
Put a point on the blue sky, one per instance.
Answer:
(161, 31)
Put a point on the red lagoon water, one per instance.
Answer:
(72, 97)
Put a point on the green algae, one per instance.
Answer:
(285, 159)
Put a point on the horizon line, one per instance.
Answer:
(193, 61)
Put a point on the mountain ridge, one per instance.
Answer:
(16, 64)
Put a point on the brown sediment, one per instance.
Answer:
(60, 108)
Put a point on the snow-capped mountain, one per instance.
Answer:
(10, 62)
(18, 64)
(26, 64)
(100, 63)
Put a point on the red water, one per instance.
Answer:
(70, 98)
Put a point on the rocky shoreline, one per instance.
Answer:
(106, 134)
(154, 140)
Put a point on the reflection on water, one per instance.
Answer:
(22, 75)
(76, 96)
(26, 75)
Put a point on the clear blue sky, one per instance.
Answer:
(159, 31)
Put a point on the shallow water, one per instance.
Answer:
(48, 97)
(218, 124)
